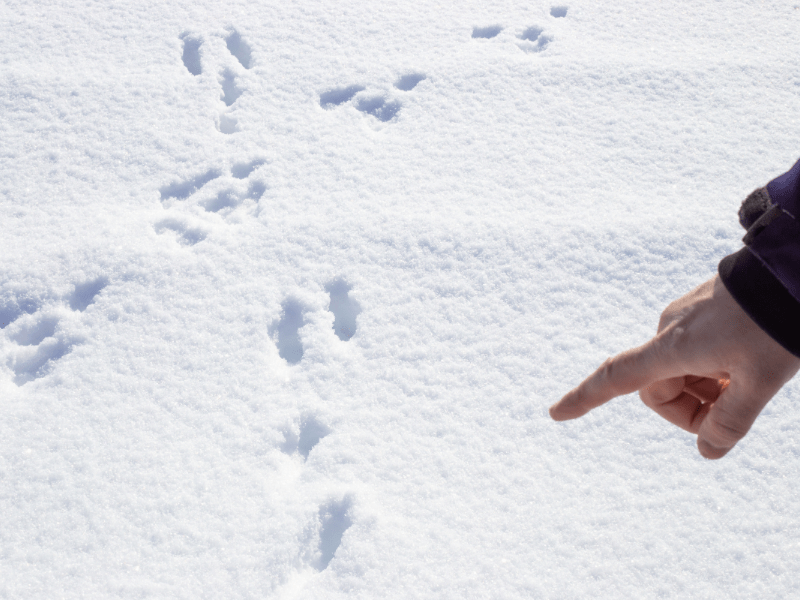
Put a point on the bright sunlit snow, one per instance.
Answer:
(286, 289)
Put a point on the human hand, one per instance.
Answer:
(710, 370)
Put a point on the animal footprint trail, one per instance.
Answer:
(335, 521)
(191, 54)
(35, 366)
(335, 97)
(225, 199)
(486, 32)
(379, 108)
(287, 332)
(311, 432)
(184, 189)
(36, 333)
(187, 236)
(408, 82)
(228, 124)
(344, 309)
(243, 170)
(533, 39)
(11, 310)
(376, 104)
(239, 48)
(85, 293)
(230, 91)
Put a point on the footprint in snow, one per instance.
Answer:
(191, 53)
(302, 440)
(486, 33)
(286, 331)
(230, 88)
(35, 330)
(344, 309)
(533, 39)
(334, 521)
(380, 105)
(231, 191)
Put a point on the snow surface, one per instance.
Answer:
(287, 288)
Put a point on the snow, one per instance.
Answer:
(287, 289)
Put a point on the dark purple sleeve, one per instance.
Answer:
(764, 276)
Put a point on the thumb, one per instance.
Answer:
(728, 420)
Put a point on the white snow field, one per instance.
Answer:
(286, 288)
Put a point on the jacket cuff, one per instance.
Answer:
(763, 297)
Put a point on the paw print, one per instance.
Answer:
(383, 106)
(37, 339)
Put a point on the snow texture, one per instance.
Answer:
(287, 289)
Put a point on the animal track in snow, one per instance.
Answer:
(379, 107)
(486, 32)
(12, 309)
(408, 82)
(183, 189)
(36, 333)
(239, 48)
(228, 124)
(531, 34)
(187, 236)
(335, 97)
(533, 40)
(227, 198)
(86, 292)
(230, 92)
(191, 54)
(38, 363)
(334, 521)
(559, 11)
(375, 104)
(302, 442)
(344, 309)
(33, 333)
(286, 332)
(243, 170)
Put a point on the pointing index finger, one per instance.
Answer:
(622, 374)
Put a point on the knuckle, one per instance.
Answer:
(725, 428)
(607, 374)
(648, 397)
